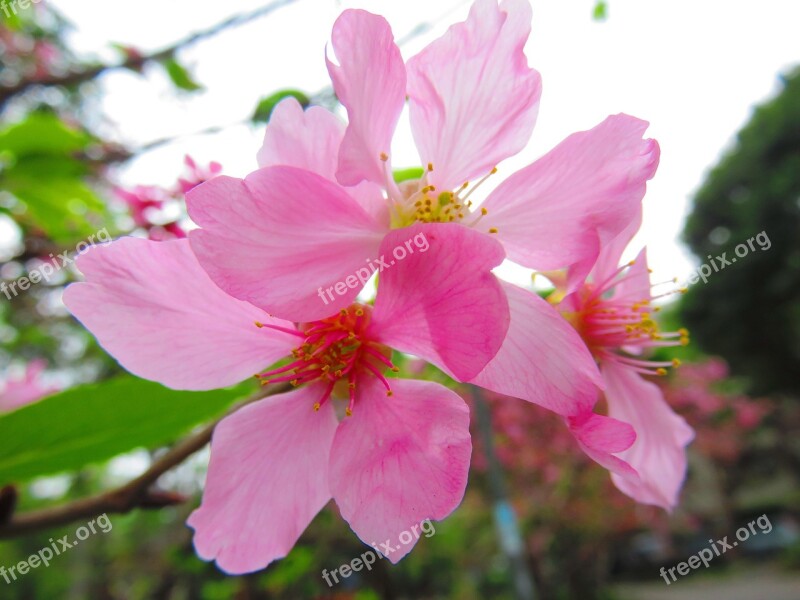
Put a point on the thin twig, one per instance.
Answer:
(137, 493)
(136, 62)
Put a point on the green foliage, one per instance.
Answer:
(600, 12)
(266, 105)
(180, 75)
(41, 167)
(401, 175)
(91, 423)
(748, 313)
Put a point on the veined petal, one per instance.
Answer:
(602, 437)
(400, 460)
(370, 81)
(542, 359)
(442, 302)
(267, 479)
(559, 211)
(154, 309)
(307, 140)
(473, 98)
(659, 452)
(282, 239)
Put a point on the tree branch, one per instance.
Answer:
(137, 493)
(136, 62)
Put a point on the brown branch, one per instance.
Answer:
(137, 493)
(136, 62)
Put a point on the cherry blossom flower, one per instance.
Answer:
(613, 312)
(401, 454)
(325, 196)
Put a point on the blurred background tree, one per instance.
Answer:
(750, 313)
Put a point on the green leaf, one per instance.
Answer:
(42, 133)
(55, 198)
(180, 75)
(401, 175)
(95, 422)
(266, 105)
(600, 12)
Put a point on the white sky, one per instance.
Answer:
(693, 69)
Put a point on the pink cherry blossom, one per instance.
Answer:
(326, 190)
(399, 456)
(16, 392)
(612, 310)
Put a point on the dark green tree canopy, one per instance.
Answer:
(749, 313)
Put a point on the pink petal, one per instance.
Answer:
(267, 479)
(441, 302)
(281, 238)
(307, 140)
(370, 82)
(659, 452)
(154, 309)
(400, 460)
(601, 437)
(610, 257)
(473, 98)
(634, 285)
(563, 208)
(542, 359)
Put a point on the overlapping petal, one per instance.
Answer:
(307, 139)
(602, 437)
(659, 452)
(559, 211)
(267, 479)
(442, 304)
(542, 359)
(400, 460)
(370, 81)
(154, 309)
(281, 238)
(473, 98)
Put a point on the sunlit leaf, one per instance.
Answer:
(266, 105)
(180, 76)
(401, 175)
(92, 423)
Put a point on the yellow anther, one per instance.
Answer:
(484, 211)
(384, 156)
(661, 371)
(396, 369)
(316, 406)
(294, 382)
(683, 332)
(676, 363)
(494, 170)
(389, 393)
(359, 313)
(259, 324)
(493, 230)
(430, 166)
(348, 412)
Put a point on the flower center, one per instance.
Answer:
(613, 329)
(337, 351)
(423, 203)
